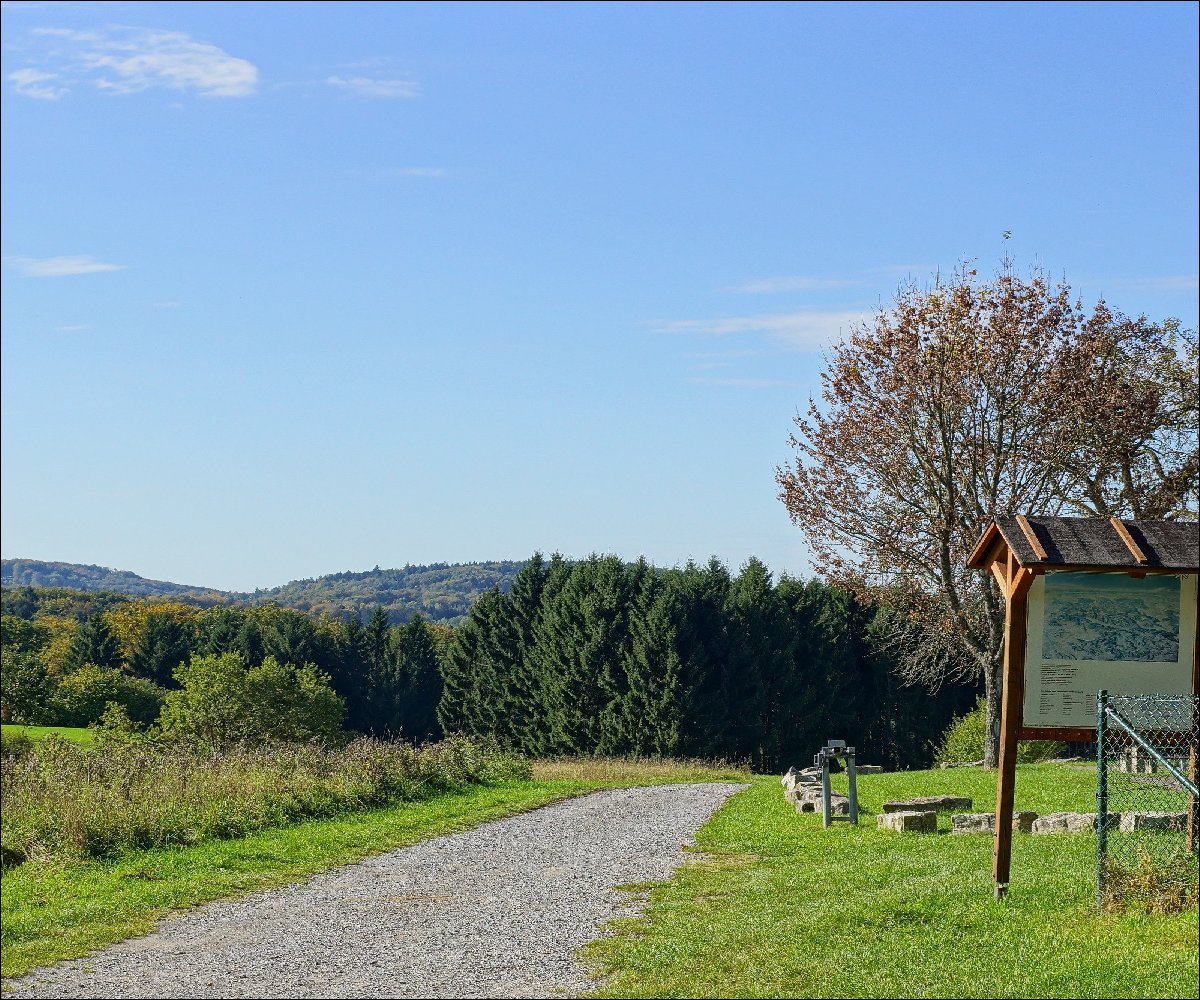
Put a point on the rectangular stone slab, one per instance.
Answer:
(909, 821)
(937, 803)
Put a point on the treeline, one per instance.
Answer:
(57, 670)
(589, 657)
(602, 657)
(437, 592)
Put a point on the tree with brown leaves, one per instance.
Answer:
(972, 399)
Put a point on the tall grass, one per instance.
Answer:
(64, 801)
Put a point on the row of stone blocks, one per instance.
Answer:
(925, 821)
(803, 789)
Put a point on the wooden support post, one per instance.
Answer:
(1010, 722)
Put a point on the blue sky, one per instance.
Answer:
(291, 289)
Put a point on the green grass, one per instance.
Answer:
(84, 737)
(774, 905)
(65, 909)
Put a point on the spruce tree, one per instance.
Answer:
(704, 650)
(652, 709)
(580, 641)
(162, 646)
(93, 642)
(422, 682)
(218, 631)
(761, 663)
(354, 670)
(384, 683)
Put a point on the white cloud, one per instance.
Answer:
(365, 86)
(74, 327)
(796, 283)
(34, 83)
(125, 60)
(59, 267)
(806, 330)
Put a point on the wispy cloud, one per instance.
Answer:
(366, 86)
(806, 330)
(907, 269)
(35, 83)
(74, 327)
(794, 283)
(126, 60)
(58, 267)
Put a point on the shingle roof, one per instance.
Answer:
(1095, 543)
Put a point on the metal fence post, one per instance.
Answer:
(826, 806)
(853, 786)
(1101, 794)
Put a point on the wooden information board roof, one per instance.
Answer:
(1092, 543)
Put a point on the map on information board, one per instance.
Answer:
(1111, 616)
(1088, 631)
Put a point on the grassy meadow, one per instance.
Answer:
(775, 905)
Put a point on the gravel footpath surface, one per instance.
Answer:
(498, 911)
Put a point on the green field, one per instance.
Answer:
(775, 905)
(81, 736)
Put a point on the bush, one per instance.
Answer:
(220, 703)
(82, 696)
(962, 743)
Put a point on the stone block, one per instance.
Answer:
(808, 799)
(908, 821)
(1065, 822)
(1133, 821)
(937, 803)
(986, 822)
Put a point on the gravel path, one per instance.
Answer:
(498, 911)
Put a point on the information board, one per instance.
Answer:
(1087, 631)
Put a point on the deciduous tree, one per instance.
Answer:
(971, 399)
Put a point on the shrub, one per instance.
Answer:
(963, 742)
(220, 702)
(82, 696)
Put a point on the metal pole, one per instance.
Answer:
(1101, 795)
(826, 810)
(853, 787)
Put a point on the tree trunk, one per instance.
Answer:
(993, 687)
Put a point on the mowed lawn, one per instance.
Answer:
(778, 906)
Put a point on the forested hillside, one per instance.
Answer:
(438, 592)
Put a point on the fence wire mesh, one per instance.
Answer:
(1147, 798)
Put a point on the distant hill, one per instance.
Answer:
(35, 573)
(439, 592)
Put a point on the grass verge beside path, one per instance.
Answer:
(51, 912)
(778, 906)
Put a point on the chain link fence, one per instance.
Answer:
(1146, 842)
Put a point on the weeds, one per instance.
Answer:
(64, 801)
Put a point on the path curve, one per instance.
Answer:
(497, 911)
